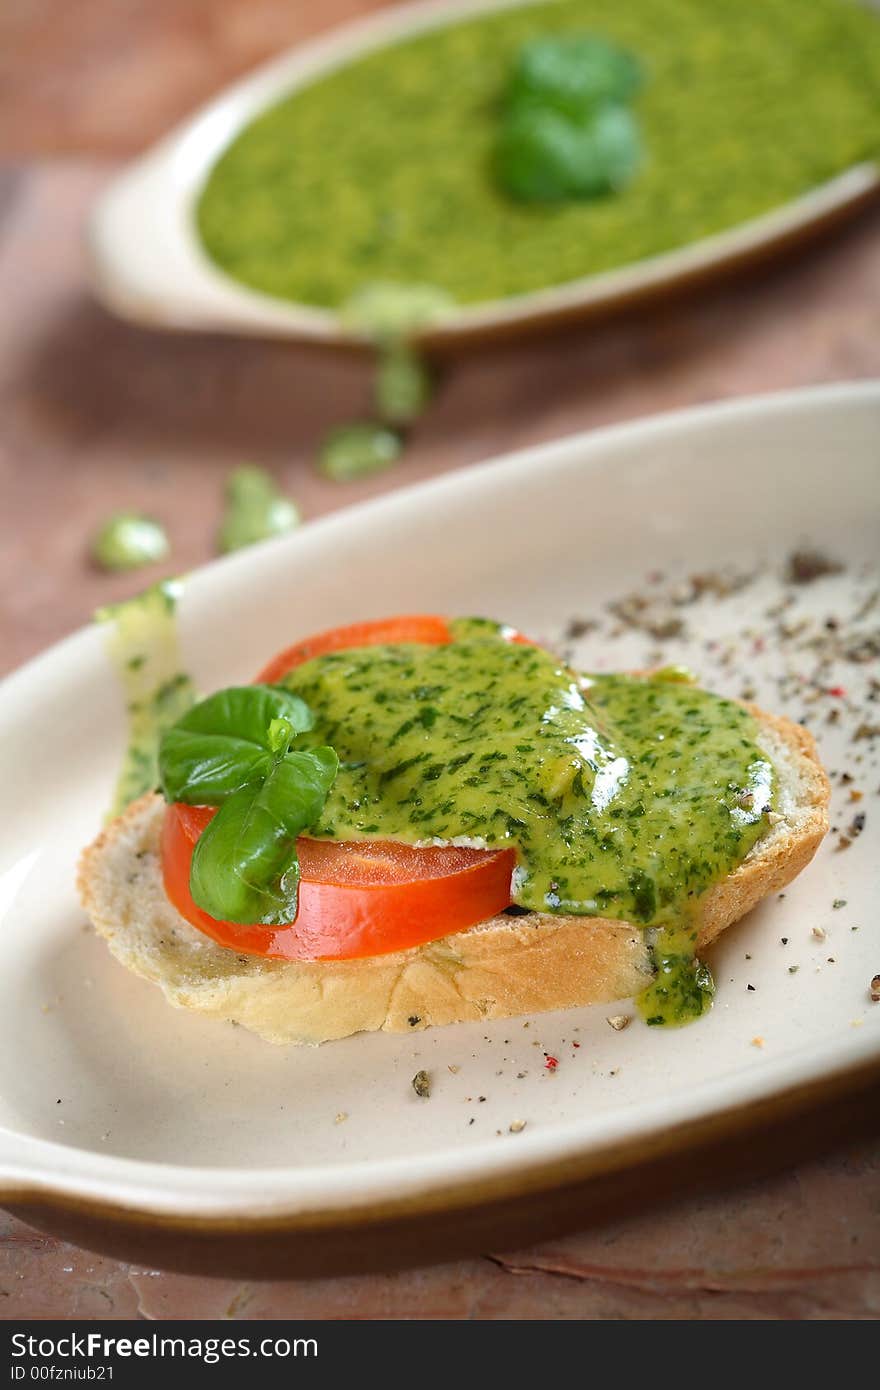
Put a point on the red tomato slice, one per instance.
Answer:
(426, 628)
(356, 898)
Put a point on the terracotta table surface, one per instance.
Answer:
(98, 415)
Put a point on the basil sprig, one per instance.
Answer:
(235, 751)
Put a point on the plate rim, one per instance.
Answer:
(470, 1192)
(132, 276)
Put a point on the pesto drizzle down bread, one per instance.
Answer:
(498, 969)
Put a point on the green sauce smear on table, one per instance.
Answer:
(624, 797)
(382, 170)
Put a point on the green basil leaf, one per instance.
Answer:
(543, 156)
(224, 743)
(244, 866)
(575, 74)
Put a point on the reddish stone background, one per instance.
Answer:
(96, 415)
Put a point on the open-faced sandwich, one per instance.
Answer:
(421, 821)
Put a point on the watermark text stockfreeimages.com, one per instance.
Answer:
(34, 1357)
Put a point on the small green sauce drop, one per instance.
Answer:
(388, 314)
(255, 510)
(402, 386)
(128, 541)
(142, 644)
(682, 675)
(358, 451)
(389, 311)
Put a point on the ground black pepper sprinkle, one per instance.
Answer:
(811, 648)
(579, 627)
(806, 565)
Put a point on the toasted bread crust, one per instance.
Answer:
(501, 968)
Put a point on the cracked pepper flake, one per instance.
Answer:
(421, 1084)
(806, 565)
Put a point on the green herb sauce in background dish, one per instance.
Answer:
(142, 644)
(624, 797)
(382, 169)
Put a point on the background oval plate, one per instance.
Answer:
(162, 1135)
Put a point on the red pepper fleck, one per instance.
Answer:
(551, 1063)
(574, 1044)
(837, 690)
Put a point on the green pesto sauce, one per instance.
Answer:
(142, 644)
(623, 797)
(381, 171)
(683, 988)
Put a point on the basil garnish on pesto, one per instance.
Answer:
(567, 130)
(236, 750)
(625, 798)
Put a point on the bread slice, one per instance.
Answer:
(505, 966)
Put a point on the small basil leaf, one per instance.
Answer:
(244, 866)
(543, 156)
(223, 743)
(576, 74)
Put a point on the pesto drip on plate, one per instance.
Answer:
(142, 644)
(624, 797)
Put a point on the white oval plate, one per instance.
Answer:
(148, 265)
(107, 1095)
